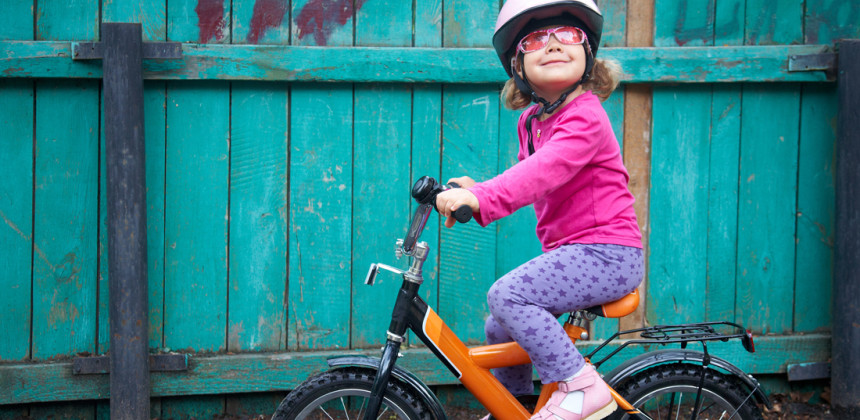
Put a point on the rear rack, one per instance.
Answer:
(682, 333)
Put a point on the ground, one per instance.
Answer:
(794, 406)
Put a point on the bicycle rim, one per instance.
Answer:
(677, 402)
(348, 404)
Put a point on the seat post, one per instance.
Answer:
(576, 325)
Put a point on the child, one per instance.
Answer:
(570, 168)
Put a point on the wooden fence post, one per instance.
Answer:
(846, 278)
(129, 302)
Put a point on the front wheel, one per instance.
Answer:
(669, 391)
(343, 394)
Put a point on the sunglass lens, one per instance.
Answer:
(534, 41)
(569, 35)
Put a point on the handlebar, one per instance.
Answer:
(424, 192)
(426, 189)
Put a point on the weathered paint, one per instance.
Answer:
(210, 20)
(319, 19)
(267, 14)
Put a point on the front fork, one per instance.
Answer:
(412, 280)
(386, 365)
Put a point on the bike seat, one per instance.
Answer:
(618, 308)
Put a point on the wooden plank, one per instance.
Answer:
(724, 173)
(192, 407)
(816, 201)
(321, 157)
(470, 124)
(614, 24)
(426, 161)
(381, 203)
(75, 20)
(16, 21)
(826, 21)
(722, 229)
(258, 222)
(149, 13)
(636, 138)
(16, 199)
(767, 206)
(260, 405)
(383, 23)
(155, 114)
(261, 22)
(207, 22)
(679, 175)
(16, 196)
(66, 209)
(773, 22)
(381, 173)
(418, 65)
(428, 23)
(679, 200)
(84, 410)
(246, 373)
(830, 20)
(467, 24)
(16, 212)
(258, 190)
(768, 179)
(197, 174)
(685, 23)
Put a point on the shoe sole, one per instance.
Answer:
(603, 412)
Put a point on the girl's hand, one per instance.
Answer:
(450, 200)
(463, 181)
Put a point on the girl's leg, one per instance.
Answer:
(517, 379)
(565, 279)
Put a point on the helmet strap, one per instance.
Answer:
(523, 85)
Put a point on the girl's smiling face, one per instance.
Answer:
(554, 68)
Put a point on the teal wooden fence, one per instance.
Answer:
(281, 149)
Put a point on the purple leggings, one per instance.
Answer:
(526, 302)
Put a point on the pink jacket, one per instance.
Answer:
(576, 180)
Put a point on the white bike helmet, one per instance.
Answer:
(520, 17)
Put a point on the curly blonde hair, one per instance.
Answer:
(605, 76)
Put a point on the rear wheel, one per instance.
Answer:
(343, 394)
(669, 392)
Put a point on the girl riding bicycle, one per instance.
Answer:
(570, 169)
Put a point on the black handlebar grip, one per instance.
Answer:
(463, 214)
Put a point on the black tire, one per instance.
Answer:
(662, 390)
(333, 394)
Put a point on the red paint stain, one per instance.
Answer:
(210, 20)
(321, 17)
(267, 14)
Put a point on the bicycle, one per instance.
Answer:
(651, 385)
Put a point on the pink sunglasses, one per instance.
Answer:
(536, 40)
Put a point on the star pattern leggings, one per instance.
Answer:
(526, 302)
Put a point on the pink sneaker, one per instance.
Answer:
(597, 400)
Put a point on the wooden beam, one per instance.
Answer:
(637, 142)
(229, 374)
(50, 59)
